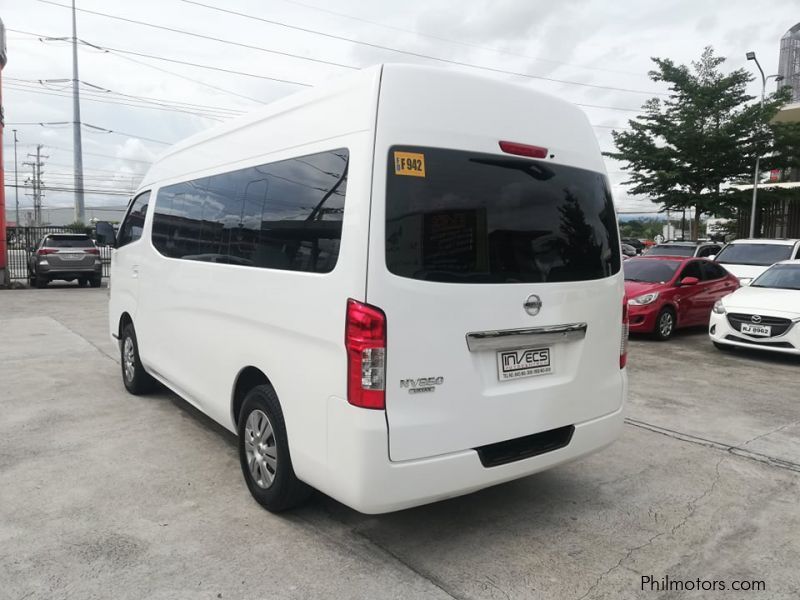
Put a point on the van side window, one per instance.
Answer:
(131, 229)
(284, 215)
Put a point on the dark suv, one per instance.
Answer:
(67, 256)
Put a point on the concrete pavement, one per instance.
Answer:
(103, 494)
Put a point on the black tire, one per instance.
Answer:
(41, 282)
(137, 381)
(83, 282)
(723, 347)
(96, 281)
(285, 490)
(665, 324)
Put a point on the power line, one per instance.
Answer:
(457, 42)
(54, 124)
(205, 37)
(351, 40)
(401, 51)
(41, 88)
(119, 53)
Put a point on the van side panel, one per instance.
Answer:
(200, 323)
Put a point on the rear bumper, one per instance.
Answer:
(720, 331)
(362, 476)
(70, 271)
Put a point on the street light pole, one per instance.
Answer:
(752, 56)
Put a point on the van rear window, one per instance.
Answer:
(465, 217)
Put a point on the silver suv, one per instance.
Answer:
(67, 256)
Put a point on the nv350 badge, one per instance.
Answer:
(423, 384)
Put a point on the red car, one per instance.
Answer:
(667, 292)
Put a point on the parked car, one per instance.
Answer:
(639, 245)
(628, 251)
(408, 313)
(764, 315)
(665, 293)
(694, 249)
(67, 256)
(749, 258)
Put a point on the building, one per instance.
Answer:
(789, 61)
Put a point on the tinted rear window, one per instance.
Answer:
(68, 241)
(671, 251)
(754, 254)
(465, 217)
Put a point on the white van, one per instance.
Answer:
(400, 288)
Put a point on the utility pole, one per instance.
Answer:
(77, 149)
(36, 184)
(16, 179)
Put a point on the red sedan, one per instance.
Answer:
(667, 292)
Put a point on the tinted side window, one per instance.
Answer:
(131, 229)
(713, 271)
(692, 270)
(178, 219)
(284, 215)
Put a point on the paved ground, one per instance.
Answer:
(104, 495)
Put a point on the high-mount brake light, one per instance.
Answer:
(523, 149)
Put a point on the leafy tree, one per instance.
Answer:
(682, 150)
(79, 227)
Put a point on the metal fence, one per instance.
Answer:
(23, 240)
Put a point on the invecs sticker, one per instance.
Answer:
(409, 163)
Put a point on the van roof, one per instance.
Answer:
(291, 121)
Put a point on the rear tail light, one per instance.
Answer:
(623, 345)
(365, 341)
(92, 251)
(43, 251)
(523, 149)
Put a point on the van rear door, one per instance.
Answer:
(500, 280)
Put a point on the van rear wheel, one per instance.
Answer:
(264, 452)
(137, 381)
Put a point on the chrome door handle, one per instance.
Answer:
(509, 339)
(135, 271)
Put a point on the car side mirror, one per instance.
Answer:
(104, 233)
(711, 256)
(689, 281)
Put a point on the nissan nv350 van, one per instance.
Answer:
(399, 288)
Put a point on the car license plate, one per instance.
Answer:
(526, 362)
(752, 329)
(72, 256)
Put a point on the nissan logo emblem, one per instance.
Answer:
(532, 305)
(756, 318)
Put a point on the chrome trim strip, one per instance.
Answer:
(508, 339)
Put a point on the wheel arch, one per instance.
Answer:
(247, 378)
(124, 319)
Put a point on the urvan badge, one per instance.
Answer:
(409, 163)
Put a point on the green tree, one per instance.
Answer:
(682, 150)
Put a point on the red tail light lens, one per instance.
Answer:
(43, 251)
(523, 149)
(92, 251)
(623, 346)
(365, 341)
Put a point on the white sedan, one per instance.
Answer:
(764, 315)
